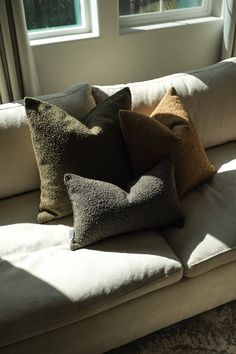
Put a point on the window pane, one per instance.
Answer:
(180, 4)
(48, 14)
(132, 7)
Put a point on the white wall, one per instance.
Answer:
(119, 58)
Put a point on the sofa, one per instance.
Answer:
(99, 297)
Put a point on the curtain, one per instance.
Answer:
(18, 76)
(229, 31)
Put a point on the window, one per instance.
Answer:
(141, 12)
(52, 18)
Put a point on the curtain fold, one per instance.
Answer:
(229, 31)
(18, 75)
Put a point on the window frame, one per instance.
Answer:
(86, 26)
(166, 16)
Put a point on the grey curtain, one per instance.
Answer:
(229, 32)
(18, 76)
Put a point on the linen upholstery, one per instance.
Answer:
(46, 286)
(169, 132)
(20, 172)
(103, 210)
(207, 239)
(23, 208)
(63, 144)
(208, 95)
(136, 318)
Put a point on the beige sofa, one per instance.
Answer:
(53, 300)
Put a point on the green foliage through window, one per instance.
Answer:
(49, 14)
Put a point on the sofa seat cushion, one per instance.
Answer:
(44, 285)
(208, 238)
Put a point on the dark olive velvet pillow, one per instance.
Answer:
(102, 209)
(63, 144)
(168, 132)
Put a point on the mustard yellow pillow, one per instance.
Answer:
(169, 132)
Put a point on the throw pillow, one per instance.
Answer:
(168, 132)
(102, 209)
(63, 144)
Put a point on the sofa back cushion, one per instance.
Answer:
(208, 94)
(18, 169)
(19, 172)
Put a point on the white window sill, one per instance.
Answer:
(60, 39)
(124, 30)
(138, 28)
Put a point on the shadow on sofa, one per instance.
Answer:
(22, 307)
(207, 239)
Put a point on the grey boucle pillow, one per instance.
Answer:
(102, 209)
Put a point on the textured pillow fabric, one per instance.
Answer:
(63, 144)
(102, 209)
(20, 172)
(168, 132)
